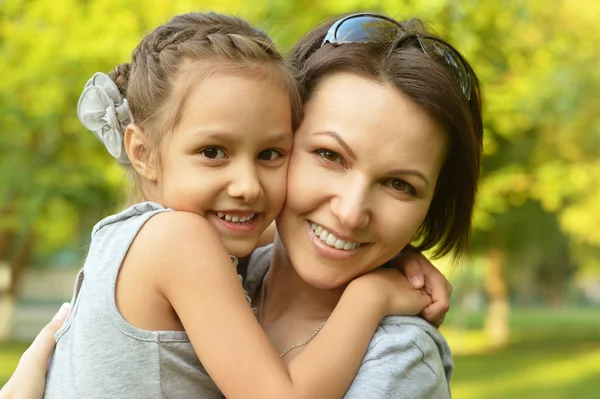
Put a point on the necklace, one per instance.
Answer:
(260, 317)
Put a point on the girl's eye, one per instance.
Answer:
(269, 155)
(330, 156)
(401, 186)
(213, 153)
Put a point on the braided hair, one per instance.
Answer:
(229, 43)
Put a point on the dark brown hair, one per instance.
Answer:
(219, 42)
(446, 228)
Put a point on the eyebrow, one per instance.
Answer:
(337, 137)
(411, 172)
(220, 134)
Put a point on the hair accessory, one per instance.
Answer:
(106, 113)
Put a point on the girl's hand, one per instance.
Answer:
(423, 275)
(396, 294)
(29, 379)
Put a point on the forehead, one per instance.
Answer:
(376, 120)
(236, 101)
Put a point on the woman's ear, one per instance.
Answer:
(141, 156)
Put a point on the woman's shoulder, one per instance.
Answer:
(409, 326)
(407, 358)
(400, 334)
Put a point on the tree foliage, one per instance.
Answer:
(538, 62)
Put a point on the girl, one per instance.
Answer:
(203, 116)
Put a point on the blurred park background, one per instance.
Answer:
(525, 321)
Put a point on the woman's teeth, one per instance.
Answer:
(235, 219)
(332, 240)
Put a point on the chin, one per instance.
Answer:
(324, 279)
(240, 248)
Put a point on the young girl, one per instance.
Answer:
(203, 116)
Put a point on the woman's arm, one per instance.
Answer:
(29, 379)
(405, 360)
(196, 276)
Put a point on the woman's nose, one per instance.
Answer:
(350, 206)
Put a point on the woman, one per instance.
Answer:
(391, 140)
(388, 153)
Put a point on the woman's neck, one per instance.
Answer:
(290, 296)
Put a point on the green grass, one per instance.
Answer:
(551, 355)
(560, 363)
(10, 353)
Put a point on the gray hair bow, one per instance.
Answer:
(105, 112)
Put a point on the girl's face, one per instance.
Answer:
(227, 158)
(362, 174)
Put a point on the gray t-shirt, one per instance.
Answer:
(407, 357)
(98, 354)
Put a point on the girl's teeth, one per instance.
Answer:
(331, 239)
(235, 219)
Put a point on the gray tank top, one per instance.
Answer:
(98, 354)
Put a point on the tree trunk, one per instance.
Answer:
(496, 323)
(21, 261)
(17, 266)
(7, 312)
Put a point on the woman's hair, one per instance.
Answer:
(219, 42)
(403, 64)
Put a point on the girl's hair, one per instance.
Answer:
(221, 43)
(403, 64)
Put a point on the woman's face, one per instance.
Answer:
(361, 177)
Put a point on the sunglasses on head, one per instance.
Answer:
(366, 27)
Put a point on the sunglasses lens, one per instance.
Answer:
(365, 29)
(450, 59)
(362, 28)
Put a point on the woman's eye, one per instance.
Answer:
(330, 156)
(401, 186)
(213, 153)
(269, 155)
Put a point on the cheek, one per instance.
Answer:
(398, 222)
(308, 182)
(274, 183)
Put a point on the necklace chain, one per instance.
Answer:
(260, 320)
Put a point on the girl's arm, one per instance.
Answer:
(423, 274)
(194, 273)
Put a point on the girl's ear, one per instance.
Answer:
(142, 158)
